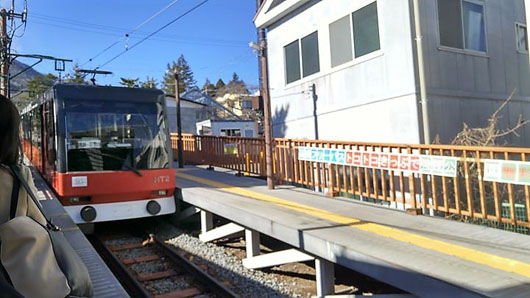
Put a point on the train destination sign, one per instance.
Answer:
(507, 171)
(422, 164)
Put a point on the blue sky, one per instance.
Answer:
(214, 38)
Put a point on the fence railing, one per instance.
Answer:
(480, 184)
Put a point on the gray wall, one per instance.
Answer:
(372, 98)
(468, 88)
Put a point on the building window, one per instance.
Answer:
(521, 35)
(310, 60)
(230, 132)
(462, 24)
(366, 30)
(340, 41)
(246, 104)
(292, 62)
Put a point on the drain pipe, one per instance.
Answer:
(421, 74)
(527, 9)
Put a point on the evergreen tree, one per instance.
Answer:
(220, 84)
(129, 83)
(149, 83)
(209, 88)
(39, 84)
(186, 79)
(77, 78)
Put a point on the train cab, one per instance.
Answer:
(105, 151)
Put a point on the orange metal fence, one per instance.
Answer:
(466, 196)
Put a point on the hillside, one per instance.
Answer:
(19, 82)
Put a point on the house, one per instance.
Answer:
(237, 103)
(348, 70)
(195, 107)
(227, 128)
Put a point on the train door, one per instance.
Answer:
(49, 149)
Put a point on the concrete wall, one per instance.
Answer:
(371, 98)
(466, 87)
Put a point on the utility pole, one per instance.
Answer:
(179, 123)
(4, 54)
(264, 89)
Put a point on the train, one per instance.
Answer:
(105, 151)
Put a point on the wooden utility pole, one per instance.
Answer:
(264, 90)
(4, 51)
(179, 123)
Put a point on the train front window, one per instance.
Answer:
(111, 136)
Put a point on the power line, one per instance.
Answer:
(117, 31)
(132, 31)
(163, 38)
(155, 32)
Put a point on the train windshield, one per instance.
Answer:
(110, 136)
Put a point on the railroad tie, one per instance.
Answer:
(130, 261)
(189, 292)
(156, 275)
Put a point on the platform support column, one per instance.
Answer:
(252, 240)
(206, 221)
(325, 275)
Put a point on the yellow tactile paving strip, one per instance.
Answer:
(472, 255)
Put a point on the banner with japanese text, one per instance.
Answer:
(421, 164)
(507, 171)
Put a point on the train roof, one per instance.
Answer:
(88, 92)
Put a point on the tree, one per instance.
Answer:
(186, 79)
(130, 83)
(220, 84)
(149, 83)
(209, 88)
(39, 84)
(235, 86)
(77, 78)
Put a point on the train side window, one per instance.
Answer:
(50, 135)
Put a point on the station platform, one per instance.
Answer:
(104, 282)
(425, 256)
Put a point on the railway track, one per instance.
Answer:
(149, 267)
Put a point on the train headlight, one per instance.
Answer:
(88, 213)
(153, 207)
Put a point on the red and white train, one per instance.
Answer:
(105, 151)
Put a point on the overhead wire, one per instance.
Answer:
(132, 31)
(154, 33)
(162, 38)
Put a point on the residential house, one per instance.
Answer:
(355, 65)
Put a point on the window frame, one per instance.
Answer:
(352, 27)
(363, 58)
(301, 57)
(517, 45)
(297, 41)
(464, 50)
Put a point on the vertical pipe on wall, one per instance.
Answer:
(421, 73)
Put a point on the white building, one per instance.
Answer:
(359, 59)
(227, 128)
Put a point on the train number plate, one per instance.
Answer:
(80, 181)
(161, 179)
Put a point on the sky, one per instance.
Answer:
(213, 38)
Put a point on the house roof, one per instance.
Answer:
(273, 10)
(184, 99)
(195, 95)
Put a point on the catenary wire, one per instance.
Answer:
(155, 32)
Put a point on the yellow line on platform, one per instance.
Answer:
(472, 255)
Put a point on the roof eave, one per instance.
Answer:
(264, 18)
